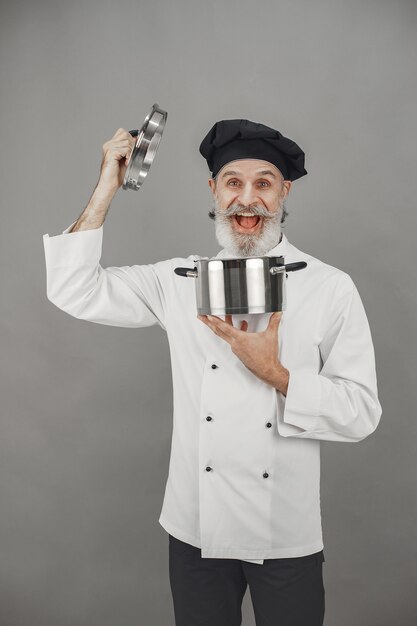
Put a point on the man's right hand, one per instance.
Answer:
(116, 154)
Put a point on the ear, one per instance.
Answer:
(287, 184)
(212, 184)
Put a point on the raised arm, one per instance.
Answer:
(130, 296)
(116, 153)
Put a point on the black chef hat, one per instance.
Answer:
(229, 140)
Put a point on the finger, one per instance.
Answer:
(120, 132)
(273, 324)
(229, 330)
(244, 325)
(229, 320)
(275, 319)
(215, 327)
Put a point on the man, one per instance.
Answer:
(253, 394)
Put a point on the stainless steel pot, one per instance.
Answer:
(143, 153)
(240, 285)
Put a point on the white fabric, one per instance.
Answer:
(324, 342)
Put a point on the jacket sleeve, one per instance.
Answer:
(340, 403)
(130, 296)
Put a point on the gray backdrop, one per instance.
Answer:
(86, 416)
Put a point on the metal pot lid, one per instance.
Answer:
(143, 153)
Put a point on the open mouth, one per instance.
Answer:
(247, 224)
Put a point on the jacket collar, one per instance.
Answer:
(279, 250)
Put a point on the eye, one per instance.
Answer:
(264, 182)
(230, 182)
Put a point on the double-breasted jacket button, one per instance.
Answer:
(209, 418)
(265, 474)
(208, 468)
(268, 424)
(213, 367)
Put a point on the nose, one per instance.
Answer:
(248, 194)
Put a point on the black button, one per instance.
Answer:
(208, 468)
(209, 418)
(268, 424)
(213, 367)
(265, 474)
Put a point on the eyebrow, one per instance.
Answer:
(262, 173)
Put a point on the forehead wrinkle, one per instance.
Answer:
(261, 172)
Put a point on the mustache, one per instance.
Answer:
(256, 210)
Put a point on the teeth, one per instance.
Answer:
(246, 214)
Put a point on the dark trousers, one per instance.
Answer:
(209, 592)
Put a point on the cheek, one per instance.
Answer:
(226, 196)
(273, 197)
(272, 201)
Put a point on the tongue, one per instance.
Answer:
(247, 222)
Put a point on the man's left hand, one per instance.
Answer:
(257, 351)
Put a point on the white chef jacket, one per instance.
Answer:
(244, 484)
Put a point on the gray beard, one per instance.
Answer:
(241, 244)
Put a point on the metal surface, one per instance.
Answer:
(143, 153)
(240, 285)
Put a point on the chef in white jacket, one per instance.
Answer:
(253, 394)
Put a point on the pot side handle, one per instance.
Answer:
(294, 267)
(291, 267)
(186, 271)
